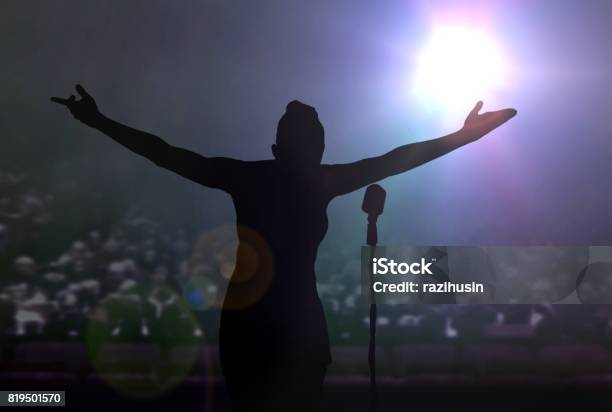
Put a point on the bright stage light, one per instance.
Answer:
(459, 66)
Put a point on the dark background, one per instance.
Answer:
(214, 76)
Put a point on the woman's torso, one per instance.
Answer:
(272, 296)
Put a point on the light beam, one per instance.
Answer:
(459, 66)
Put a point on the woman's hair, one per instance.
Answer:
(299, 122)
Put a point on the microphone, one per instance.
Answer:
(373, 204)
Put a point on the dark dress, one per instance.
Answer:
(274, 343)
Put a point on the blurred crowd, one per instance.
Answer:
(139, 278)
(128, 275)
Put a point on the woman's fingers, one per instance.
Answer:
(82, 92)
(476, 109)
(65, 102)
(492, 120)
(59, 100)
(510, 113)
(505, 114)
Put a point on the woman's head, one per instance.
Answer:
(300, 138)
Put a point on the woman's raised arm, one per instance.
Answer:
(345, 178)
(216, 172)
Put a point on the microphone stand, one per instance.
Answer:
(372, 240)
(373, 204)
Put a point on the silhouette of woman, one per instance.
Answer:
(274, 344)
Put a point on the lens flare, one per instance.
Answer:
(145, 371)
(248, 267)
(459, 66)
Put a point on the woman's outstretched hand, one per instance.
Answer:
(477, 125)
(84, 109)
